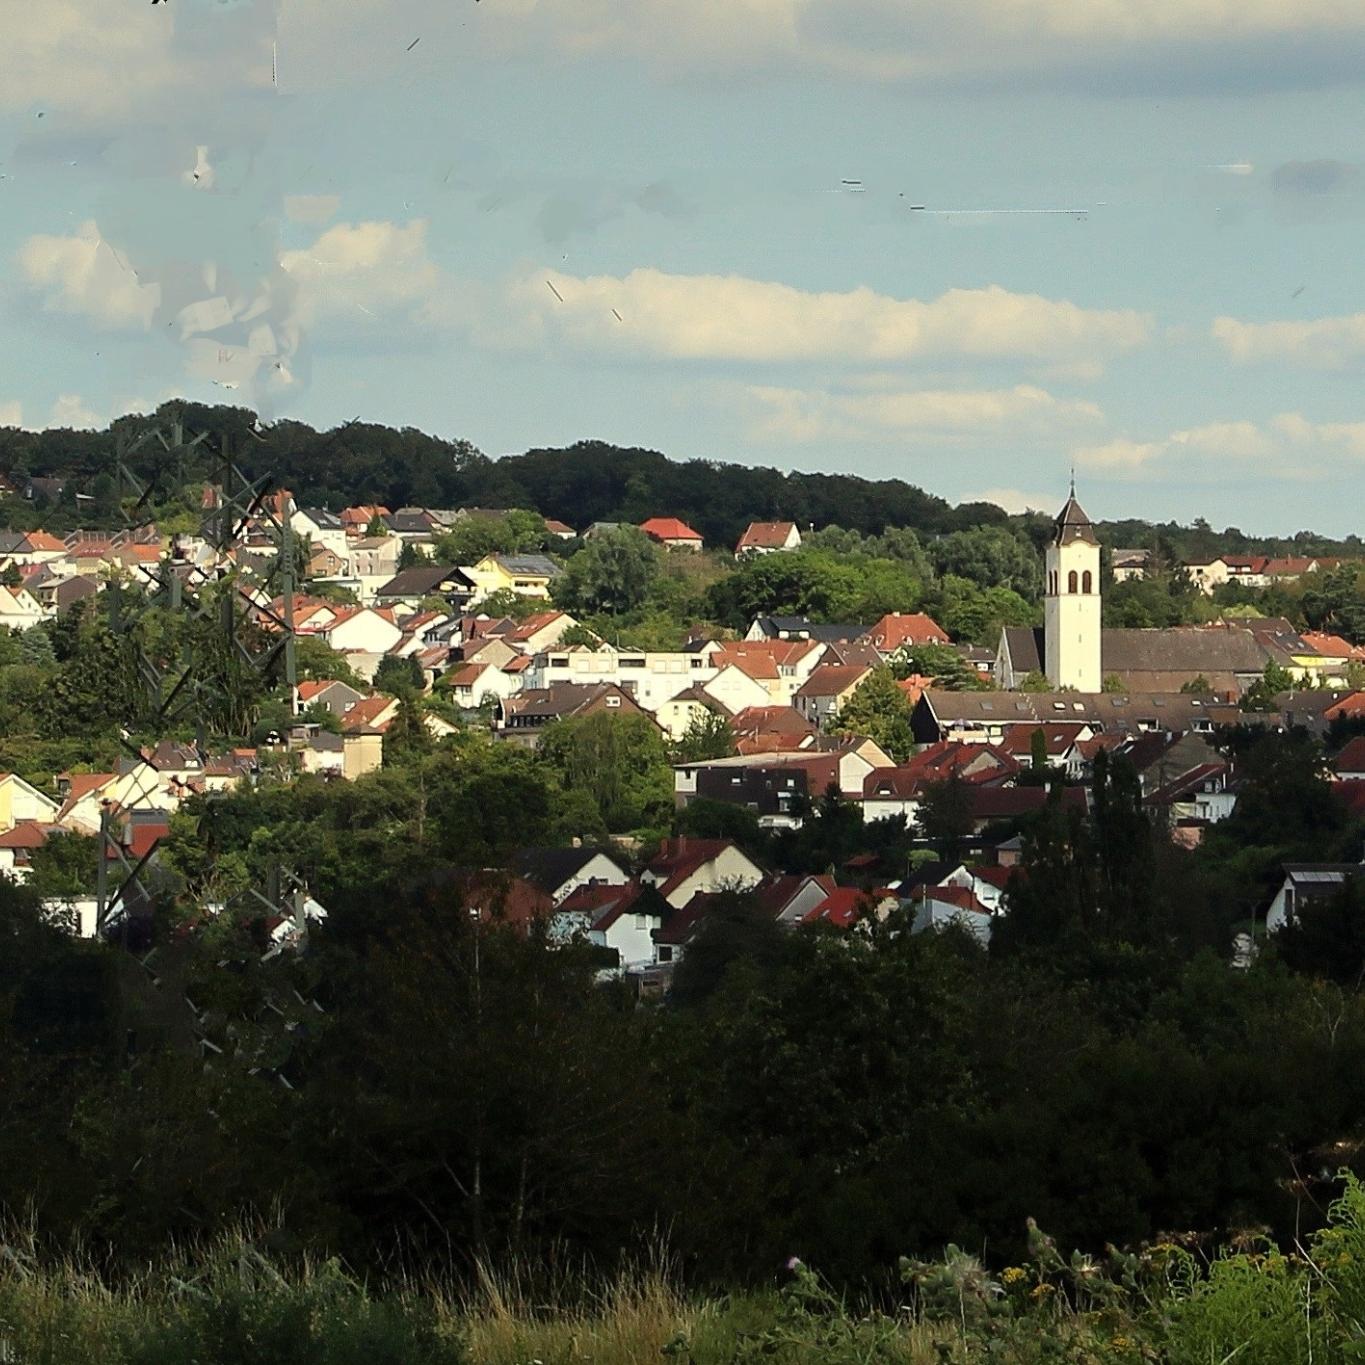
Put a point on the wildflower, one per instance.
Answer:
(1013, 1274)
(1041, 1291)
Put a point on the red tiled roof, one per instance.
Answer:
(532, 625)
(844, 906)
(765, 535)
(763, 658)
(776, 720)
(365, 714)
(27, 834)
(910, 628)
(669, 528)
(1352, 758)
(961, 897)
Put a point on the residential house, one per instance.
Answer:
(768, 537)
(683, 867)
(849, 907)
(364, 630)
(950, 906)
(788, 898)
(18, 845)
(374, 562)
(1129, 564)
(19, 609)
(473, 684)
(560, 530)
(770, 729)
(23, 803)
(1348, 764)
(766, 673)
(337, 697)
(1304, 884)
(672, 533)
(1058, 743)
(560, 871)
(525, 575)
(651, 677)
(324, 529)
(984, 717)
(357, 520)
(904, 630)
(825, 693)
(799, 628)
(408, 587)
(690, 707)
(522, 717)
(544, 630)
(623, 917)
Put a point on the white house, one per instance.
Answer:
(20, 801)
(683, 867)
(650, 677)
(1304, 883)
(363, 630)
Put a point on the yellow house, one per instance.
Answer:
(526, 575)
(19, 801)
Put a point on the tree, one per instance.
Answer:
(708, 735)
(944, 664)
(407, 736)
(378, 527)
(1263, 694)
(610, 574)
(945, 816)
(317, 661)
(10, 577)
(400, 676)
(1199, 686)
(411, 556)
(618, 760)
(879, 710)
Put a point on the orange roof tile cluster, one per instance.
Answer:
(765, 535)
(669, 528)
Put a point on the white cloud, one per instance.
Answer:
(84, 274)
(799, 415)
(11, 414)
(1322, 343)
(375, 268)
(714, 317)
(1287, 446)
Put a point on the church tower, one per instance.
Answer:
(1071, 605)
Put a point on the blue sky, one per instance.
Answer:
(628, 219)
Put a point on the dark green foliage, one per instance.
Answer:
(611, 573)
(401, 677)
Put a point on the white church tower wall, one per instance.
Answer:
(1071, 602)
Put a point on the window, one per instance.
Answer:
(665, 953)
(641, 921)
(560, 661)
(614, 701)
(1087, 583)
(632, 663)
(1071, 581)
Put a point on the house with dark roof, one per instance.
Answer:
(409, 586)
(824, 694)
(523, 716)
(1306, 884)
(800, 628)
(561, 871)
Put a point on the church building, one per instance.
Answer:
(1076, 653)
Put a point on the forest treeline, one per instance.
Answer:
(589, 481)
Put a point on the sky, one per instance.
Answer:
(968, 243)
